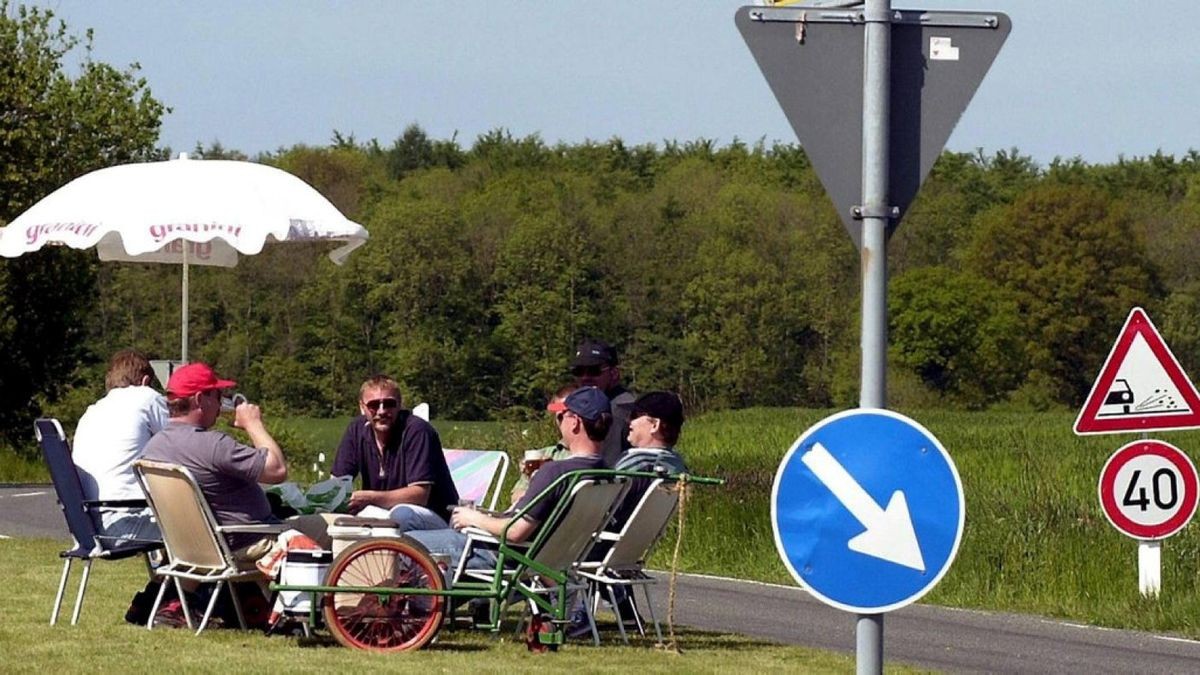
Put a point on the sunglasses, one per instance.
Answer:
(580, 371)
(385, 403)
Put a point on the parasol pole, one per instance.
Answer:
(183, 319)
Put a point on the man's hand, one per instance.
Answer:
(247, 415)
(464, 517)
(360, 499)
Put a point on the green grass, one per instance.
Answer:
(102, 642)
(1035, 539)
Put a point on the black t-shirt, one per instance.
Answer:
(412, 457)
(543, 477)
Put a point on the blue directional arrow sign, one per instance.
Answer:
(868, 510)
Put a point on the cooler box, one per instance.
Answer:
(345, 531)
(302, 568)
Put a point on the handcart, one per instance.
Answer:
(385, 592)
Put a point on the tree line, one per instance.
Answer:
(721, 271)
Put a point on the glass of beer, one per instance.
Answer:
(534, 459)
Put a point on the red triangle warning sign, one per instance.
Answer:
(1141, 386)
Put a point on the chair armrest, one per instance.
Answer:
(263, 528)
(480, 534)
(117, 503)
(608, 536)
(355, 521)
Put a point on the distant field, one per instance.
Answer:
(1035, 541)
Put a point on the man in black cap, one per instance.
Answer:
(654, 425)
(595, 365)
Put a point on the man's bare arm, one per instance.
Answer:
(248, 417)
(494, 525)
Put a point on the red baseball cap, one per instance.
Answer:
(556, 406)
(193, 379)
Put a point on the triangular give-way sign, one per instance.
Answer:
(1141, 386)
(812, 58)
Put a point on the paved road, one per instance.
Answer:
(932, 637)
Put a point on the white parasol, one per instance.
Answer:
(188, 212)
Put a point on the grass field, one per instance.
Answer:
(1035, 540)
(103, 643)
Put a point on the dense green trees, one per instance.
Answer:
(54, 126)
(720, 272)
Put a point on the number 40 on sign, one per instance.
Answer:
(1148, 490)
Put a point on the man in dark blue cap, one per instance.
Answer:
(595, 365)
(584, 424)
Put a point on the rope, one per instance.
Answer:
(673, 644)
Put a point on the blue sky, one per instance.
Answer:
(1091, 79)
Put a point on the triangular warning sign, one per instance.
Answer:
(1141, 386)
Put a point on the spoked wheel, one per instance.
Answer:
(384, 622)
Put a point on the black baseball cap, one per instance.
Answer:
(594, 353)
(661, 405)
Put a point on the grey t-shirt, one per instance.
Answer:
(226, 470)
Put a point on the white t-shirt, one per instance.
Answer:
(111, 435)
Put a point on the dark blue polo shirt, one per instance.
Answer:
(411, 457)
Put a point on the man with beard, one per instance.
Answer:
(399, 458)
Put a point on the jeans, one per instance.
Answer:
(408, 517)
(452, 543)
(130, 527)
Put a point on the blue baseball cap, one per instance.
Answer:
(588, 403)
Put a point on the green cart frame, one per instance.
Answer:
(389, 594)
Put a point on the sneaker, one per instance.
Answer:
(481, 611)
(579, 628)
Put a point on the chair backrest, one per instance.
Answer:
(644, 528)
(585, 515)
(188, 526)
(477, 474)
(56, 452)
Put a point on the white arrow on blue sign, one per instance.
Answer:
(868, 510)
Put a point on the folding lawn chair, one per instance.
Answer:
(543, 572)
(478, 474)
(624, 562)
(196, 544)
(83, 517)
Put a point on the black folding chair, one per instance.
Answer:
(83, 517)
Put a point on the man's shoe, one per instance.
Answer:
(481, 611)
(579, 627)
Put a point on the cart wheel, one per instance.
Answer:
(384, 621)
(540, 636)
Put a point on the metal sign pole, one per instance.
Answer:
(876, 212)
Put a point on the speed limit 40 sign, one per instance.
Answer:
(1148, 489)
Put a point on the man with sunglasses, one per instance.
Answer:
(399, 458)
(595, 365)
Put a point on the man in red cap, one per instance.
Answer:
(228, 472)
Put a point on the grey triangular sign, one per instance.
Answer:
(813, 61)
